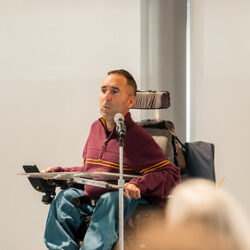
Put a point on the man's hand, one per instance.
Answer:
(132, 190)
(47, 170)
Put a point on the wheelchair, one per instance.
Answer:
(187, 156)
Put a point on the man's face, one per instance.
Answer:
(116, 96)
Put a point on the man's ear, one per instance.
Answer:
(131, 101)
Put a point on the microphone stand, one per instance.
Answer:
(121, 183)
(121, 132)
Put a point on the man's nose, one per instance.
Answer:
(108, 96)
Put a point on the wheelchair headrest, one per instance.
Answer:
(152, 100)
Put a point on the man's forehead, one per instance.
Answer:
(114, 81)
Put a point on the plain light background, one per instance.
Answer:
(220, 88)
(53, 57)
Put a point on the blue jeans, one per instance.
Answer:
(64, 220)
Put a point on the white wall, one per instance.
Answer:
(163, 56)
(220, 87)
(53, 56)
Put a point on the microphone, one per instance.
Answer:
(120, 126)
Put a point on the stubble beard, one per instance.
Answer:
(108, 116)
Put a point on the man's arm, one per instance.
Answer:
(158, 174)
(60, 169)
(158, 183)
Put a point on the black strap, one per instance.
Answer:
(77, 201)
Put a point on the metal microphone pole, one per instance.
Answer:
(121, 183)
(121, 132)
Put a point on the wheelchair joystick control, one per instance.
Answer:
(41, 185)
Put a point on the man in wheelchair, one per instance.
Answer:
(142, 156)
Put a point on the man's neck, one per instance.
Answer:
(110, 125)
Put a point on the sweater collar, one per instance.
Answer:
(127, 118)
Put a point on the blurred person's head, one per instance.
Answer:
(198, 216)
(198, 202)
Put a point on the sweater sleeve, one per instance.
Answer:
(70, 169)
(159, 175)
(158, 183)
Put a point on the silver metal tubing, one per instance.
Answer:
(121, 200)
(101, 184)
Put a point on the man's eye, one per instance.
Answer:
(103, 91)
(114, 91)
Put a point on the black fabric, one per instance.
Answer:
(152, 100)
(179, 156)
(77, 201)
(200, 159)
(195, 159)
(157, 124)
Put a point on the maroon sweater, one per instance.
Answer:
(142, 155)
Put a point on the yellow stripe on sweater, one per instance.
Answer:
(109, 162)
(153, 166)
(150, 170)
(106, 163)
